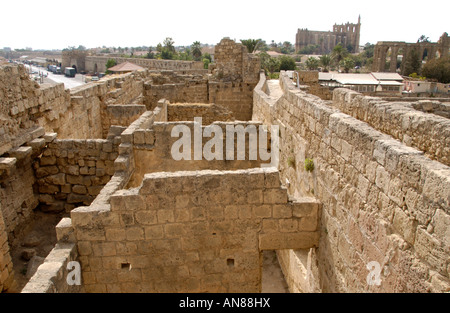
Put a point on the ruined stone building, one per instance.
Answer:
(357, 202)
(388, 53)
(347, 34)
(82, 61)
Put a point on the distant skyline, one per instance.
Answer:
(51, 24)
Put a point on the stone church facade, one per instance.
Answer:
(348, 34)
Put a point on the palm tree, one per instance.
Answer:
(423, 38)
(196, 50)
(312, 63)
(251, 44)
(325, 61)
(168, 43)
(339, 53)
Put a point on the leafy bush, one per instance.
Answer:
(287, 63)
(309, 165)
(110, 63)
(206, 63)
(438, 69)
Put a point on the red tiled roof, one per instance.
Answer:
(125, 67)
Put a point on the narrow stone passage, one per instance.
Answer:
(272, 277)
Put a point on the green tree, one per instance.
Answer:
(339, 53)
(185, 55)
(167, 49)
(206, 55)
(309, 49)
(347, 63)
(269, 64)
(325, 61)
(350, 47)
(169, 44)
(110, 63)
(368, 50)
(287, 63)
(196, 50)
(438, 69)
(358, 59)
(287, 48)
(412, 63)
(251, 44)
(206, 63)
(423, 38)
(150, 54)
(166, 54)
(312, 63)
(263, 46)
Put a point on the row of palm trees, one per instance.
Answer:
(339, 57)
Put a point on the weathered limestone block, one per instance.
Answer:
(49, 137)
(49, 189)
(274, 196)
(122, 163)
(37, 143)
(79, 189)
(139, 137)
(65, 231)
(7, 163)
(57, 179)
(21, 152)
(405, 225)
(51, 275)
(47, 160)
(73, 170)
(280, 241)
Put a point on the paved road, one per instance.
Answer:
(69, 82)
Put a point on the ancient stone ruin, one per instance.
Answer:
(358, 200)
(347, 35)
(391, 50)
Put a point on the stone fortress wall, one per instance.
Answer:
(128, 233)
(83, 61)
(210, 113)
(382, 200)
(98, 64)
(405, 122)
(6, 265)
(100, 152)
(58, 174)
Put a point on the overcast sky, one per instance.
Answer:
(57, 24)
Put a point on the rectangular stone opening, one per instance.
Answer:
(125, 266)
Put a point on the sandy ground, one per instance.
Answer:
(272, 277)
(41, 238)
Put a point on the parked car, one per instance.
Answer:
(52, 68)
(69, 72)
